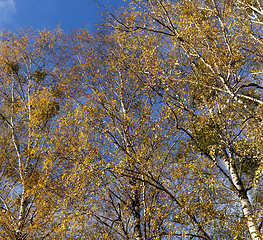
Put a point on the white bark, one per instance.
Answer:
(243, 197)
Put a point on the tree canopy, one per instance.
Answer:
(148, 128)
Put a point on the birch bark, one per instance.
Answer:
(243, 197)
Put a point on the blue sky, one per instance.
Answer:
(40, 14)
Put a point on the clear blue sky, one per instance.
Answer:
(40, 14)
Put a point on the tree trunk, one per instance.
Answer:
(136, 214)
(243, 197)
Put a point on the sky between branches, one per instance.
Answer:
(40, 14)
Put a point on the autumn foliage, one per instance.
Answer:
(148, 128)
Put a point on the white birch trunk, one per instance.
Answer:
(243, 197)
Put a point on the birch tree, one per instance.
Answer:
(149, 128)
(211, 84)
(119, 133)
(189, 165)
(30, 78)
